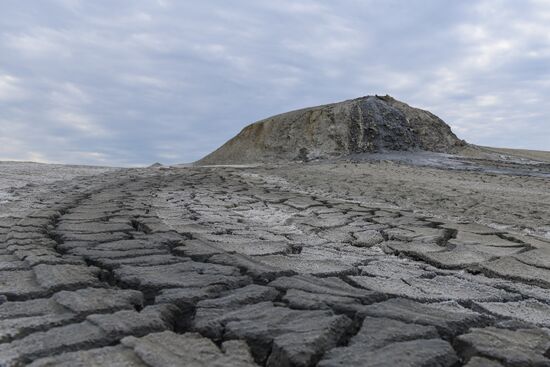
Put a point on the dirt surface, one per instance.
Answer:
(517, 203)
(536, 155)
(23, 183)
(400, 261)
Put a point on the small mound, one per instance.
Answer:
(364, 125)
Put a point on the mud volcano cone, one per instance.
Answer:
(363, 125)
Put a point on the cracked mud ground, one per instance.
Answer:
(268, 267)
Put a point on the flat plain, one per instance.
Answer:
(403, 260)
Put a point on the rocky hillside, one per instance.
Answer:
(362, 125)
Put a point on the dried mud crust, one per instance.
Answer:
(510, 202)
(236, 267)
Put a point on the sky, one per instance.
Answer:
(133, 82)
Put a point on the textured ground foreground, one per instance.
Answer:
(370, 264)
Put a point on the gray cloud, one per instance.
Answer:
(134, 82)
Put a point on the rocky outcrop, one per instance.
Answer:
(363, 125)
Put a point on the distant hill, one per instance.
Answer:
(362, 125)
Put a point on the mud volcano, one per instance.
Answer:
(325, 264)
(363, 125)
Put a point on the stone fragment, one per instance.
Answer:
(96, 331)
(197, 250)
(321, 261)
(43, 255)
(413, 249)
(190, 349)
(528, 310)
(314, 301)
(21, 318)
(93, 227)
(186, 298)
(538, 257)
(301, 203)
(470, 227)
(458, 257)
(448, 321)
(294, 337)
(338, 235)
(68, 277)
(401, 220)
(236, 298)
(438, 288)
(417, 234)
(32, 222)
(85, 216)
(18, 327)
(522, 347)
(53, 341)
(10, 262)
(117, 356)
(181, 275)
(19, 285)
(482, 362)
(30, 235)
(211, 311)
(304, 265)
(367, 238)
(395, 287)
(98, 300)
(153, 225)
(326, 286)
(467, 238)
(190, 228)
(397, 268)
(95, 254)
(34, 307)
(414, 353)
(254, 267)
(95, 238)
(526, 290)
(130, 245)
(238, 352)
(256, 248)
(54, 260)
(532, 241)
(513, 269)
(23, 252)
(146, 260)
(126, 322)
(378, 332)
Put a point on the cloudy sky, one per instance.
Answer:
(132, 82)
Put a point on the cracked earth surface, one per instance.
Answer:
(235, 266)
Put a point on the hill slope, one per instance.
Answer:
(362, 125)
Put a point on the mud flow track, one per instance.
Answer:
(229, 267)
